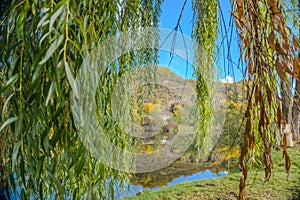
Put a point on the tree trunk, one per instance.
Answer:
(287, 104)
(295, 111)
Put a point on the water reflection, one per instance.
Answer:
(134, 189)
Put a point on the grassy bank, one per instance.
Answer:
(278, 187)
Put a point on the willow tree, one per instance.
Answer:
(270, 50)
(43, 44)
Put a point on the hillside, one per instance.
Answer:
(166, 102)
(159, 122)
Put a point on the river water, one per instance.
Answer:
(131, 189)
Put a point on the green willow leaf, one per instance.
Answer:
(15, 153)
(10, 82)
(80, 165)
(40, 166)
(53, 47)
(55, 16)
(43, 38)
(71, 79)
(51, 89)
(37, 73)
(7, 122)
(20, 29)
(5, 105)
(43, 21)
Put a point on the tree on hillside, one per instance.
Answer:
(235, 109)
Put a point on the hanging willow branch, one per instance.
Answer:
(205, 31)
(43, 44)
(269, 49)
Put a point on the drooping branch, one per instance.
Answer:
(205, 29)
(270, 53)
(43, 44)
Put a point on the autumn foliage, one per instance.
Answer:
(270, 50)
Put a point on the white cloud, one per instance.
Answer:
(228, 79)
(182, 53)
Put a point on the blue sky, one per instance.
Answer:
(226, 61)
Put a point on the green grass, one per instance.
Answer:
(227, 187)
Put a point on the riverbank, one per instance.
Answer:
(227, 187)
